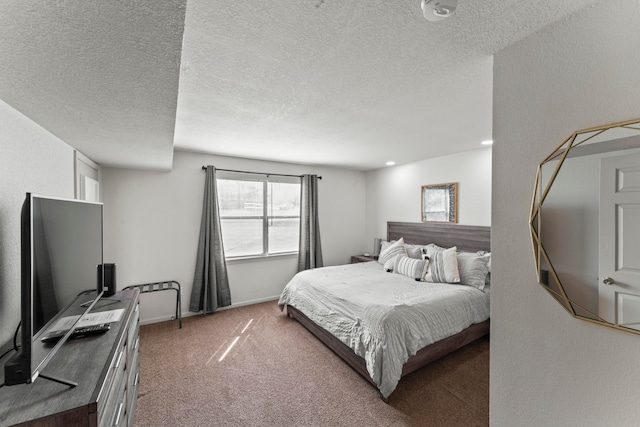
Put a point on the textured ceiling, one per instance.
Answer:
(102, 75)
(331, 82)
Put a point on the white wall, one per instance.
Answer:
(152, 221)
(548, 368)
(31, 160)
(393, 194)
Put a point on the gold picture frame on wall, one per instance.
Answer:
(439, 202)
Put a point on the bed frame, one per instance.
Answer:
(466, 238)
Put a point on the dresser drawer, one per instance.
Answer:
(118, 381)
(118, 417)
(134, 326)
(132, 394)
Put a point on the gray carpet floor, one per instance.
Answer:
(278, 373)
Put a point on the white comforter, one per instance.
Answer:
(383, 317)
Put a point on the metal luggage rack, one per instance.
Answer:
(163, 286)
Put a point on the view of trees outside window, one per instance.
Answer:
(259, 218)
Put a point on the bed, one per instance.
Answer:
(386, 340)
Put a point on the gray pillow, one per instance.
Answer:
(414, 251)
(473, 269)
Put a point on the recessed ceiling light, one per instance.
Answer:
(390, 163)
(487, 142)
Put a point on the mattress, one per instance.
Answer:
(385, 318)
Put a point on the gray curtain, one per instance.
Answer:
(310, 250)
(210, 281)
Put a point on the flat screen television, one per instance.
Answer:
(61, 266)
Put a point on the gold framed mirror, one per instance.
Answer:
(585, 225)
(439, 202)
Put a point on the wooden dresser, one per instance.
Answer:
(104, 366)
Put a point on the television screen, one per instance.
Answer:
(61, 256)
(66, 250)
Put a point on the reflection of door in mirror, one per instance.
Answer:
(569, 230)
(571, 227)
(619, 243)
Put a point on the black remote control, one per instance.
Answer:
(78, 332)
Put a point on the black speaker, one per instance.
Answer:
(109, 284)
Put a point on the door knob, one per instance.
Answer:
(607, 281)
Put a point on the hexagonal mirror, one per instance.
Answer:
(585, 225)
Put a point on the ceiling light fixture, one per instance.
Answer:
(487, 142)
(390, 163)
(436, 10)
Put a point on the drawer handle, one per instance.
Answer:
(119, 414)
(136, 310)
(119, 359)
(135, 346)
(135, 381)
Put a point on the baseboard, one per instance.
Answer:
(164, 318)
(191, 313)
(250, 302)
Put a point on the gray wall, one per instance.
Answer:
(548, 368)
(31, 160)
(152, 221)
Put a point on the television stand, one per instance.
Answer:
(108, 366)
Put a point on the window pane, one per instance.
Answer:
(242, 210)
(283, 234)
(241, 237)
(284, 199)
(240, 198)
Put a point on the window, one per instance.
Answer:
(259, 214)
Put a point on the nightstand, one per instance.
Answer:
(361, 258)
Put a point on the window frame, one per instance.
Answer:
(265, 179)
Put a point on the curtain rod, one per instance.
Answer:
(204, 168)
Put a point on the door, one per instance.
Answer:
(87, 178)
(619, 252)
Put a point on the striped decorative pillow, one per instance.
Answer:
(388, 266)
(411, 267)
(392, 251)
(443, 266)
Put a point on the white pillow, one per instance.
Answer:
(413, 251)
(411, 267)
(392, 251)
(443, 266)
(384, 245)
